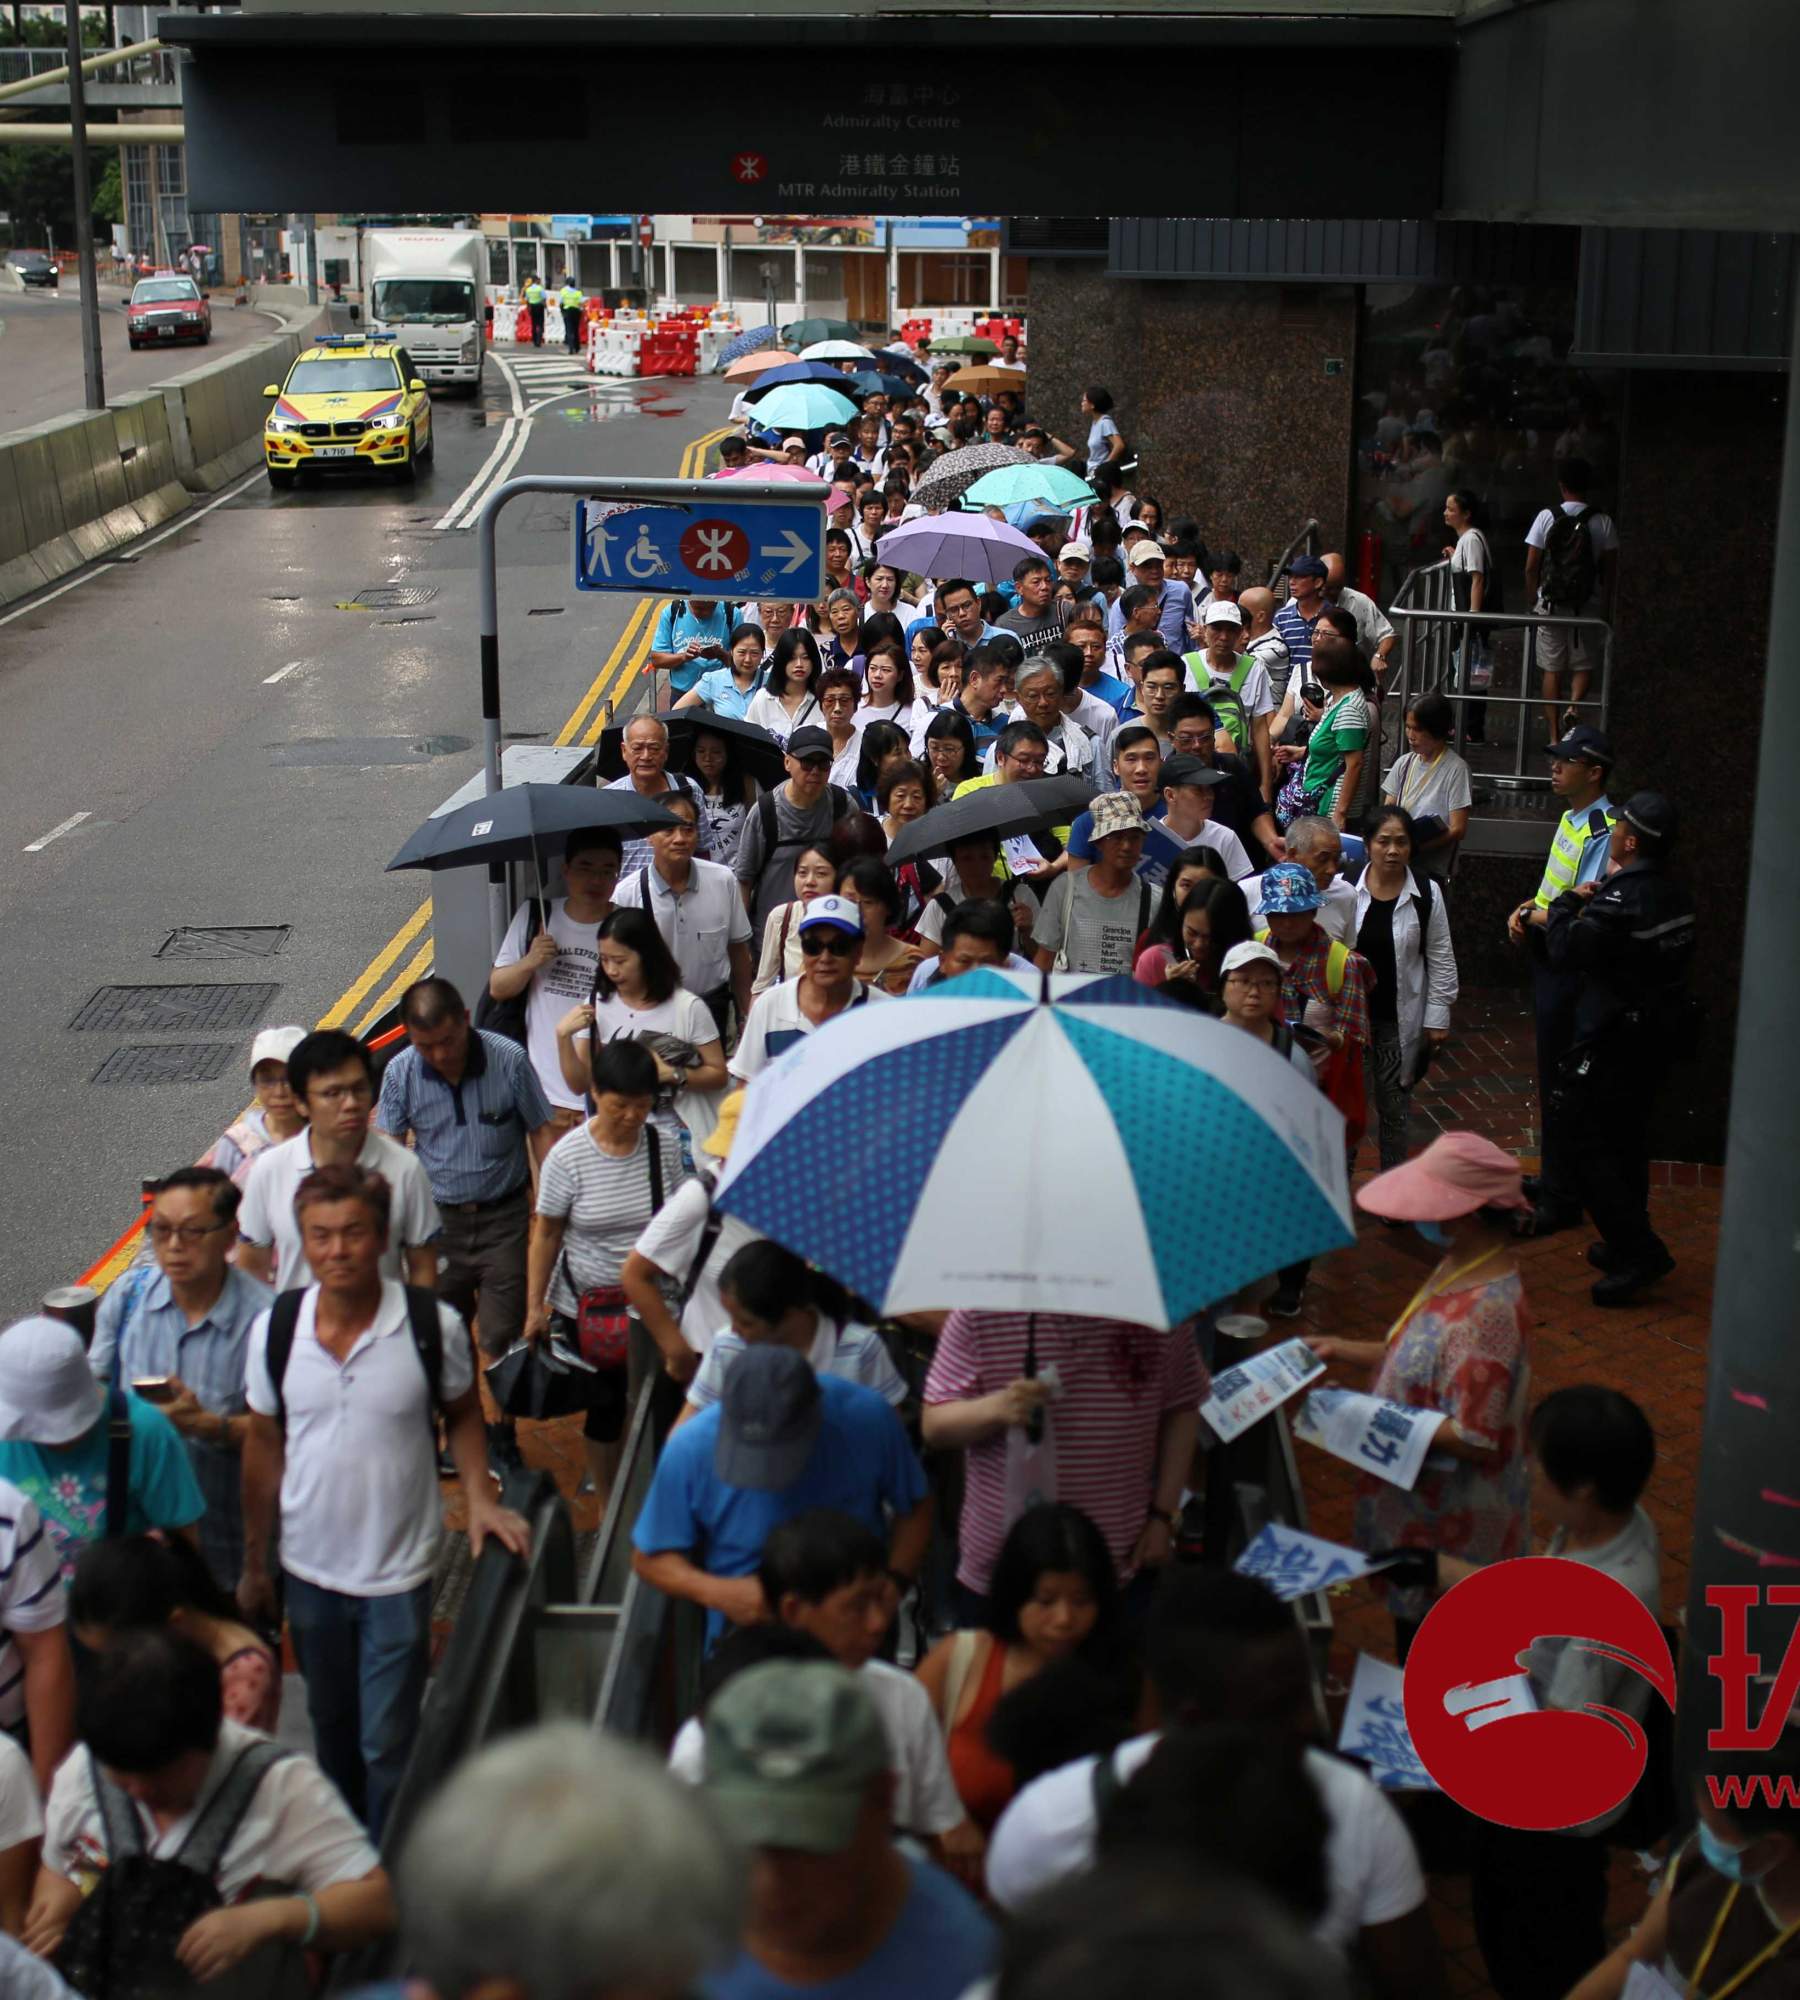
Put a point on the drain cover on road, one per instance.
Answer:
(224, 941)
(169, 1062)
(215, 1009)
(393, 596)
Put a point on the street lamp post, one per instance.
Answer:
(93, 371)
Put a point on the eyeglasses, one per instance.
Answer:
(183, 1232)
(344, 1093)
(834, 942)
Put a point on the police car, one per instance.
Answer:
(348, 403)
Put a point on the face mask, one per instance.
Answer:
(1726, 1861)
(1434, 1233)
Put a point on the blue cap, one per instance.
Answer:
(1288, 890)
(769, 1419)
(1583, 741)
(1307, 566)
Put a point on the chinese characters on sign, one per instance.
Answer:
(1387, 1439)
(1243, 1395)
(1295, 1564)
(898, 143)
(1375, 1731)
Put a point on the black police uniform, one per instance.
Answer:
(1628, 946)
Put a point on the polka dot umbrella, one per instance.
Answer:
(1030, 1143)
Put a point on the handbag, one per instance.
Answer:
(602, 1312)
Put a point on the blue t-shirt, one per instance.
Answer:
(68, 1486)
(861, 1464)
(1111, 690)
(678, 624)
(721, 693)
(940, 1945)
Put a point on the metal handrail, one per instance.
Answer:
(1307, 538)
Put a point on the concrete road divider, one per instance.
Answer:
(86, 485)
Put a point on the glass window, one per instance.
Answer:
(338, 377)
(153, 290)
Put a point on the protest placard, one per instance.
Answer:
(1293, 1563)
(1241, 1396)
(1387, 1439)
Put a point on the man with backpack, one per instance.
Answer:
(1091, 920)
(787, 820)
(344, 1381)
(164, 1825)
(1571, 556)
(1237, 684)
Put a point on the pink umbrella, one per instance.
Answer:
(769, 468)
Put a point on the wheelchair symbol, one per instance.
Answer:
(642, 560)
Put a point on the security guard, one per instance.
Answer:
(1578, 853)
(571, 299)
(1627, 944)
(534, 305)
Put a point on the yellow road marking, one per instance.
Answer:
(348, 1000)
(603, 679)
(420, 965)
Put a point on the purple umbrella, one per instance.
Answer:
(960, 545)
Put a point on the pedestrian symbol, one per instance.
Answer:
(736, 550)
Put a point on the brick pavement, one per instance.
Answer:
(1655, 1350)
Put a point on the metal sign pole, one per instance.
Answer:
(651, 492)
(92, 367)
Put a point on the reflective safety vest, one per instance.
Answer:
(570, 297)
(1573, 832)
(534, 293)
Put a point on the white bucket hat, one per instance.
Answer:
(48, 1394)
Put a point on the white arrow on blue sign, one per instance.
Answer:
(744, 549)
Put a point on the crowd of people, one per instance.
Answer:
(953, 1728)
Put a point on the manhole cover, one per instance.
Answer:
(224, 941)
(363, 750)
(169, 1062)
(394, 596)
(158, 1009)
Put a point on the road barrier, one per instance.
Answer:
(84, 486)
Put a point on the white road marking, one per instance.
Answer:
(136, 548)
(281, 673)
(512, 434)
(56, 832)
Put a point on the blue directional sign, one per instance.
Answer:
(728, 549)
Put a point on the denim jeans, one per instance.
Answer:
(364, 1660)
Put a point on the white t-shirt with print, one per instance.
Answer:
(925, 1797)
(564, 983)
(684, 1015)
(1046, 1836)
(1429, 790)
(297, 1829)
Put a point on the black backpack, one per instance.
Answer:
(771, 826)
(120, 1944)
(1569, 570)
(421, 1318)
(507, 1017)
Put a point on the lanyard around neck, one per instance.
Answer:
(1433, 1285)
(1744, 1973)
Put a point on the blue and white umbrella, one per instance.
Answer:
(751, 341)
(1105, 1152)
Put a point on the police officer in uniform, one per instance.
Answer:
(534, 305)
(1628, 944)
(570, 299)
(1579, 765)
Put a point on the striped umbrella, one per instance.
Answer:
(1060, 1143)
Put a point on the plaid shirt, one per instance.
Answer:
(1306, 980)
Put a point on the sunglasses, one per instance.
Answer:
(834, 942)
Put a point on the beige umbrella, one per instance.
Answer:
(750, 367)
(986, 381)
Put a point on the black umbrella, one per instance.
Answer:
(759, 753)
(1028, 806)
(518, 823)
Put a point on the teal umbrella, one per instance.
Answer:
(1007, 485)
(804, 332)
(805, 406)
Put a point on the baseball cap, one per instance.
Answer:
(1117, 812)
(1307, 566)
(1145, 553)
(1288, 890)
(790, 1749)
(1221, 611)
(1186, 770)
(769, 1419)
(1652, 814)
(1456, 1174)
(274, 1045)
(48, 1394)
(810, 742)
(836, 913)
(788, 444)
(1077, 551)
(1250, 952)
(1583, 741)
(836, 437)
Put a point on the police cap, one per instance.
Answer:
(1652, 814)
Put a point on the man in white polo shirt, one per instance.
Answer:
(831, 939)
(333, 1078)
(342, 1381)
(699, 910)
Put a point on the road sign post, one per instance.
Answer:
(680, 533)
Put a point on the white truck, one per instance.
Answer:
(426, 289)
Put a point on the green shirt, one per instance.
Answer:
(1342, 728)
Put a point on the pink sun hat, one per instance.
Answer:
(1456, 1174)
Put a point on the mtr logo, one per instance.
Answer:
(1479, 1731)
